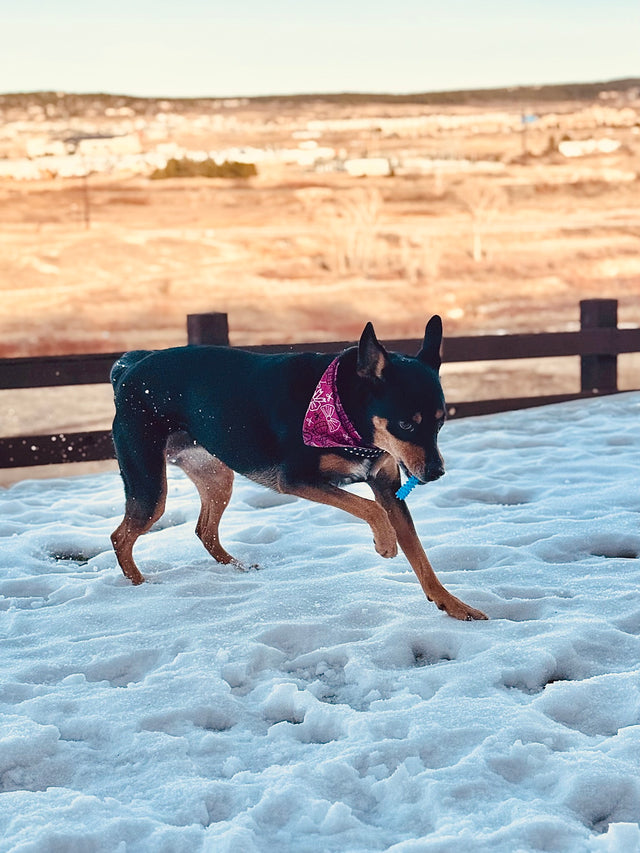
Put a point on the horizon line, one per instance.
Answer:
(332, 93)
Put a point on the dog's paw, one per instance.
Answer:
(387, 552)
(457, 609)
(134, 576)
(386, 542)
(242, 567)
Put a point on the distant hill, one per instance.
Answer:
(480, 97)
(72, 104)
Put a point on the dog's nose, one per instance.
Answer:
(433, 471)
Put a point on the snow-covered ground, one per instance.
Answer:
(322, 704)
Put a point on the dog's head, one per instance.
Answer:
(403, 400)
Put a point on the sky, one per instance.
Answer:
(213, 49)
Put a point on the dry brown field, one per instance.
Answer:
(296, 255)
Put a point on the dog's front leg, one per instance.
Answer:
(384, 486)
(384, 535)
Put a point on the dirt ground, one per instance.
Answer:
(306, 260)
(295, 255)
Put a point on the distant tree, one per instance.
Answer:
(483, 201)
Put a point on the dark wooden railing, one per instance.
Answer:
(598, 343)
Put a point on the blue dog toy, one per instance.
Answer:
(404, 490)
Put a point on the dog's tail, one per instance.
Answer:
(125, 362)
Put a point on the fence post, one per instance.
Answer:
(599, 372)
(212, 328)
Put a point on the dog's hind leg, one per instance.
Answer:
(143, 469)
(214, 482)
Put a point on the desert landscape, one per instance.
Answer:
(499, 210)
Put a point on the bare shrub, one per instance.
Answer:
(354, 242)
(188, 168)
(483, 201)
(350, 221)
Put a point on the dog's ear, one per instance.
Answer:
(430, 352)
(372, 356)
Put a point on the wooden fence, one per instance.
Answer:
(598, 343)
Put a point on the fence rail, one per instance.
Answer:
(598, 343)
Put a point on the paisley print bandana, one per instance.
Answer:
(326, 423)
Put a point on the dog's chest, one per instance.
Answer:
(341, 471)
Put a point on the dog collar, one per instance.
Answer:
(326, 424)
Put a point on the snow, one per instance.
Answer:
(321, 703)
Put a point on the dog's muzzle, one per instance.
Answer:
(433, 471)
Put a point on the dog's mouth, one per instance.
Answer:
(407, 473)
(434, 471)
(431, 472)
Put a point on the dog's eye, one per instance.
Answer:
(407, 426)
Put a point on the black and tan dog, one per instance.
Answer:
(300, 423)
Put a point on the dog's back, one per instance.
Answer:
(243, 407)
(125, 362)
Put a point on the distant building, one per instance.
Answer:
(368, 167)
(45, 147)
(584, 147)
(104, 146)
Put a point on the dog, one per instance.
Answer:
(304, 424)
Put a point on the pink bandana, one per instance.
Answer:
(326, 423)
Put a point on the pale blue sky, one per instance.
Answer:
(248, 47)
